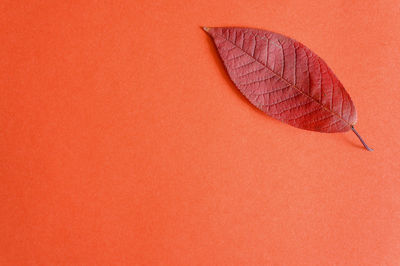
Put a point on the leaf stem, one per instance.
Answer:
(362, 141)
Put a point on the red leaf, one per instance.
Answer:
(285, 79)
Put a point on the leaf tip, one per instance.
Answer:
(206, 29)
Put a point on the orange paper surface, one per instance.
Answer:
(123, 141)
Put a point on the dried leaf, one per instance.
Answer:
(285, 79)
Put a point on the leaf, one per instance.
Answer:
(285, 79)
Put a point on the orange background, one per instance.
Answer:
(123, 141)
